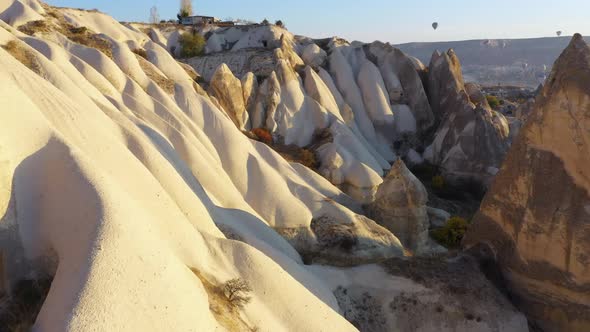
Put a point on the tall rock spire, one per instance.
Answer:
(536, 217)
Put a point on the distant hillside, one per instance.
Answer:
(493, 61)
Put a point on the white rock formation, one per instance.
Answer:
(472, 138)
(345, 80)
(314, 56)
(17, 13)
(136, 192)
(346, 159)
(400, 206)
(297, 116)
(267, 100)
(237, 38)
(249, 89)
(228, 90)
(403, 82)
(287, 52)
(376, 99)
(121, 190)
(318, 90)
(348, 116)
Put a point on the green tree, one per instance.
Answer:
(186, 8)
(192, 44)
(451, 234)
(493, 101)
(438, 182)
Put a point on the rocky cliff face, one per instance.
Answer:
(373, 99)
(403, 81)
(400, 206)
(472, 139)
(227, 89)
(422, 295)
(536, 218)
(259, 61)
(116, 166)
(120, 166)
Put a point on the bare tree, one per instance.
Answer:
(154, 16)
(236, 290)
(186, 8)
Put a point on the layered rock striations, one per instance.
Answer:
(472, 139)
(535, 220)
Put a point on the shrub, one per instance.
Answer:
(83, 36)
(78, 30)
(19, 310)
(493, 101)
(279, 23)
(438, 182)
(263, 135)
(236, 291)
(451, 234)
(192, 44)
(226, 314)
(34, 26)
(23, 55)
(183, 13)
(296, 154)
(265, 22)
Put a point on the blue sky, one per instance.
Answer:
(395, 21)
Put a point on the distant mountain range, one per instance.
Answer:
(498, 61)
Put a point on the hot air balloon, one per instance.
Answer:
(558, 33)
(435, 25)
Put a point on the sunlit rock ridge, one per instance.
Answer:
(137, 185)
(535, 221)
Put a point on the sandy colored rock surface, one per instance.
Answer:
(535, 220)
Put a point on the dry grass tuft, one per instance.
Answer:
(94, 10)
(80, 35)
(262, 135)
(164, 82)
(83, 36)
(293, 153)
(452, 233)
(34, 27)
(141, 52)
(78, 30)
(226, 313)
(25, 56)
